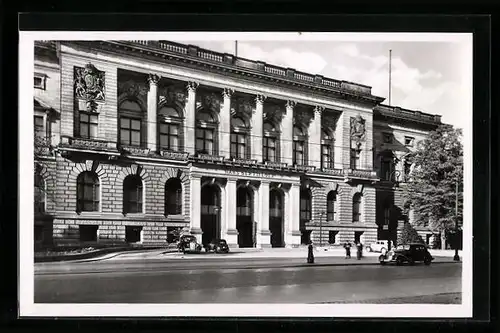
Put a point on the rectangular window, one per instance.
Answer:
(133, 234)
(39, 81)
(169, 137)
(332, 236)
(205, 141)
(238, 145)
(298, 152)
(269, 149)
(354, 158)
(326, 157)
(358, 237)
(388, 137)
(386, 169)
(39, 124)
(130, 131)
(409, 141)
(88, 126)
(88, 233)
(305, 209)
(387, 215)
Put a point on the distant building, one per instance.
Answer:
(135, 139)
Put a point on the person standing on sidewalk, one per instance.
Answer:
(359, 247)
(310, 254)
(347, 247)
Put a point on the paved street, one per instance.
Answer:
(226, 279)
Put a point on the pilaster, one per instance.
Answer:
(225, 124)
(257, 128)
(195, 226)
(190, 118)
(230, 214)
(292, 226)
(152, 111)
(263, 233)
(286, 142)
(315, 138)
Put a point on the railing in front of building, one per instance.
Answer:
(360, 173)
(260, 66)
(88, 144)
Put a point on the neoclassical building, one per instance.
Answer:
(135, 139)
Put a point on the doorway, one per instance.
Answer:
(276, 218)
(210, 213)
(244, 217)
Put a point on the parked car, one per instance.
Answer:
(217, 246)
(378, 246)
(407, 253)
(189, 244)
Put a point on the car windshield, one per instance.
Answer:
(402, 247)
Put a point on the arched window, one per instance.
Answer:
(305, 205)
(270, 143)
(239, 137)
(205, 133)
(130, 123)
(326, 151)
(356, 207)
(299, 146)
(132, 194)
(168, 128)
(39, 194)
(331, 205)
(173, 197)
(87, 192)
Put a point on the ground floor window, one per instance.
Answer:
(332, 236)
(88, 233)
(133, 234)
(358, 237)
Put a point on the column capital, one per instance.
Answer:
(227, 92)
(153, 78)
(290, 104)
(192, 85)
(260, 98)
(318, 110)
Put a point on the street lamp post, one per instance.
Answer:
(456, 256)
(216, 210)
(395, 174)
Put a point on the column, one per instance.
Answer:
(195, 227)
(294, 213)
(190, 119)
(230, 214)
(287, 134)
(341, 158)
(225, 124)
(257, 123)
(315, 138)
(263, 233)
(152, 111)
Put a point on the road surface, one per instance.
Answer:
(243, 281)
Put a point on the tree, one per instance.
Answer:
(432, 188)
(409, 235)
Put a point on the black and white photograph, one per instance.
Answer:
(245, 174)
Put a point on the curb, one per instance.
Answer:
(93, 254)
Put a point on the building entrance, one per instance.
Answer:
(276, 218)
(210, 213)
(244, 217)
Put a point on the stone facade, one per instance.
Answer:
(225, 188)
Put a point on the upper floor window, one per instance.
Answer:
(326, 151)
(270, 143)
(356, 207)
(132, 194)
(331, 201)
(239, 137)
(39, 123)
(169, 128)
(387, 215)
(173, 197)
(39, 81)
(39, 194)
(130, 123)
(205, 133)
(88, 125)
(386, 166)
(299, 146)
(305, 205)
(354, 161)
(87, 192)
(387, 137)
(409, 141)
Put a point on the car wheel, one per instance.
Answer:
(427, 261)
(369, 249)
(399, 261)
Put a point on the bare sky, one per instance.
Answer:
(430, 76)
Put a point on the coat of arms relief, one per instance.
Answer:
(89, 86)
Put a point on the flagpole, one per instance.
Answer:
(390, 68)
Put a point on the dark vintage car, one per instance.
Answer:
(217, 246)
(407, 253)
(189, 244)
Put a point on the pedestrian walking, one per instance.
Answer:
(310, 254)
(359, 250)
(347, 247)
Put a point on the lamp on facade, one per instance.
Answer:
(395, 175)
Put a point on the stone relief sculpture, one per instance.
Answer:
(358, 129)
(173, 95)
(89, 86)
